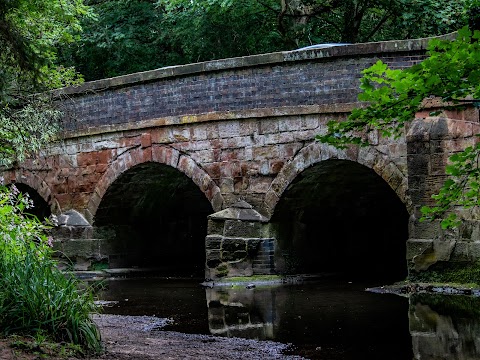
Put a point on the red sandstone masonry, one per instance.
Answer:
(240, 128)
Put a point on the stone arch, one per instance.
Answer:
(35, 182)
(342, 211)
(317, 152)
(160, 154)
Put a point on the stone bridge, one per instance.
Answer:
(147, 158)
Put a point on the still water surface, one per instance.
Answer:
(322, 320)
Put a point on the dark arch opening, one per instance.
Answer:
(341, 217)
(40, 208)
(157, 218)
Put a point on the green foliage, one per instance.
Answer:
(394, 96)
(451, 74)
(122, 37)
(35, 297)
(206, 30)
(26, 127)
(461, 189)
(30, 32)
(126, 36)
(363, 20)
(136, 35)
(43, 348)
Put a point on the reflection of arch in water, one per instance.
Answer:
(340, 216)
(159, 217)
(240, 313)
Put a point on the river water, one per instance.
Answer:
(327, 319)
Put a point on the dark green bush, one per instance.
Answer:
(36, 297)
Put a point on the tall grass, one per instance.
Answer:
(36, 297)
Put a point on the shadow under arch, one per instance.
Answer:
(41, 210)
(317, 152)
(41, 194)
(155, 217)
(339, 216)
(158, 154)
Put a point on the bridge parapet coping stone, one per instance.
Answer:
(392, 46)
(277, 84)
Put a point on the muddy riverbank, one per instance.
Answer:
(141, 338)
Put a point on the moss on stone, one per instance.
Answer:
(252, 279)
(449, 272)
(461, 306)
(99, 265)
(222, 270)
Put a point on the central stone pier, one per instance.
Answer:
(238, 243)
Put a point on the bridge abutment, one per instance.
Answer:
(79, 245)
(431, 140)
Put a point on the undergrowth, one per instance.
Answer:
(35, 296)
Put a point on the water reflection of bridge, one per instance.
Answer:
(440, 326)
(240, 313)
(445, 326)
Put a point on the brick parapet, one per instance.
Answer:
(259, 85)
(288, 85)
(388, 48)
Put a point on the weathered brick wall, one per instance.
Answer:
(238, 127)
(430, 142)
(270, 81)
(270, 86)
(252, 159)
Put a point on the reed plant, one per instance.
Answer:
(35, 296)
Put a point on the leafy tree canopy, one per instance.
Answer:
(316, 21)
(137, 35)
(123, 37)
(30, 31)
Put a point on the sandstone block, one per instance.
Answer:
(242, 268)
(417, 247)
(460, 251)
(81, 248)
(213, 258)
(244, 229)
(213, 242)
